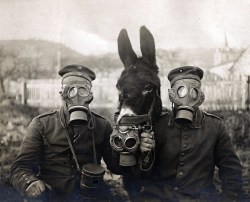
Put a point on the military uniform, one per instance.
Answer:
(188, 152)
(55, 138)
(186, 157)
(45, 152)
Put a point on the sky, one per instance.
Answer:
(92, 26)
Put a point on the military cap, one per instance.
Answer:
(186, 72)
(77, 70)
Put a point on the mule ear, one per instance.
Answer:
(126, 53)
(147, 46)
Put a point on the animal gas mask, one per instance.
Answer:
(186, 96)
(125, 138)
(77, 96)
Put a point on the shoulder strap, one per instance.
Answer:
(212, 115)
(46, 113)
(72, 150)
(91, 126)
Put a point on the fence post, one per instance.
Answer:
(24, 92)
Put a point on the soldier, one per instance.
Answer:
(190, 143)
(59, 159)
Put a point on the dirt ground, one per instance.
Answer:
(14, 120)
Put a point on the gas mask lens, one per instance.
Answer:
(194, 93)
(118, 142)
(82, 91)
(183, 91)
(130, 143)
(72, 92)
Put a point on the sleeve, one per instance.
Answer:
(230, 168)
(25, 167)
(110, 157)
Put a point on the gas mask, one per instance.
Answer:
(77, 96)
(125, 138)
(186, 96)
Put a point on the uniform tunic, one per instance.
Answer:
(186, 157)
(45, 153)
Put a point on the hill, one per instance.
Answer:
(41, 59)
(31, 59)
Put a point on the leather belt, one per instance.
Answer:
(134, 119)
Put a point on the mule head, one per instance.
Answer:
(139, 84)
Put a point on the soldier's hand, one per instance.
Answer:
(147, 142)
(36, 188)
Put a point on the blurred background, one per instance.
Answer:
(39, 37)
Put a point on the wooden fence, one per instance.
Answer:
(45, 93)
(228, 93)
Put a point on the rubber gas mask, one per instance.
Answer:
(78, 96)
(125, 138)
(186, 96)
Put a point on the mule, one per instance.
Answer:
(139, 84)
(139, 91)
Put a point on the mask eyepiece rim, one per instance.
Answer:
(184, 90)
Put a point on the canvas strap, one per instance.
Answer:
(91, 126)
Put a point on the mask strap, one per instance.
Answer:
(93, 140)
(73, 151)
(70, 143)
(91, 126)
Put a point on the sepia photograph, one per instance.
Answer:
(145, 100)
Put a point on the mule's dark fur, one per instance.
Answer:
(139, 83)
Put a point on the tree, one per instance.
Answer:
(8, 64)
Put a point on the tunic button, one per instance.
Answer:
(181, 164)
(185, 137)
(180, 173)
(176, 188)
(185, 146)
(182, 154)
(72, 176)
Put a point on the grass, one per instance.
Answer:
(14, 120)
